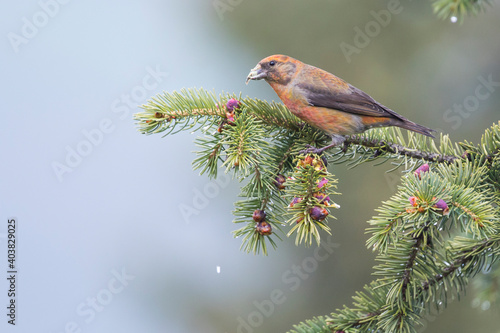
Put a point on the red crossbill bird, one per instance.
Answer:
(325, 101)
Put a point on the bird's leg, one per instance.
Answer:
(336, 140)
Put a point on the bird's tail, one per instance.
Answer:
(410, 125)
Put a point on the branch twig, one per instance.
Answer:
(394, 148)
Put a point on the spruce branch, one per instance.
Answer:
(415, 265)
(170, 110)
(432, 236)
(394, 148)
(406, 278)
(308, 190)
(470, 258)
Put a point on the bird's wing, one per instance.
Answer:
(329, 91)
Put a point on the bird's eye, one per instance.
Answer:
(272, 63)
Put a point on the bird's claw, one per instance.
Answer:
(312, 150)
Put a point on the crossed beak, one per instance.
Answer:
(256, 74)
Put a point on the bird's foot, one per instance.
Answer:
(311, 150)
(336, 141)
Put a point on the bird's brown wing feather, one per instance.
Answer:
(331, 92)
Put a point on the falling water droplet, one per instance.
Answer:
(218, 269)
(453, 19)
(485, 306)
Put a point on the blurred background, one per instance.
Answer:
(116, 233)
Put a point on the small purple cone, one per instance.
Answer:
(322, 182)
(279, 182)
(323, 198)
(259, 215)
(318, 213)
(294, 201)
(423, 168)
(441, 204)
(264, 228)
(232, 104)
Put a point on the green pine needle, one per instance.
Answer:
(459, 8)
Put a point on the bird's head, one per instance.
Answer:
(274, 69)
